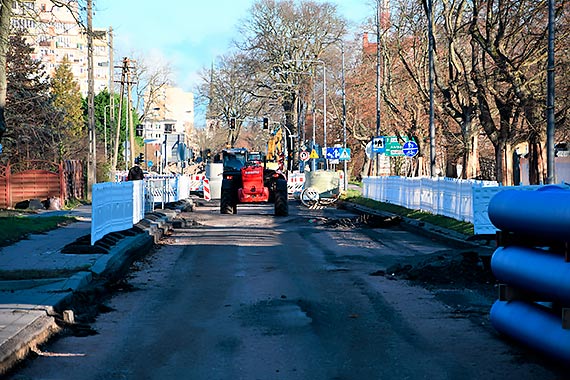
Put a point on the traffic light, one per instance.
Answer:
(139, 159)
(232, 123)
(265, 123)
(139, 130)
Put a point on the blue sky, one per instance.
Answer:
(189, 34)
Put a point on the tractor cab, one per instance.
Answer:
(234, 159)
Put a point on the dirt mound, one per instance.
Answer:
(469, 269)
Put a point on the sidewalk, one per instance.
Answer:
(46, 278)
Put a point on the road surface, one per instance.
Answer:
(252, 296)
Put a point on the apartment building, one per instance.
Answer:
(168, 125)
(54, 33)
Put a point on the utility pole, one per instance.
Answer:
(431, 95)
(344, 118)
(379, 5)
(551, 164)
(111, 81)
(92, 159)
(130, 136)
(118, 131)
(131, 155)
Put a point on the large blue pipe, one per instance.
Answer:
(533, 326)
(535, 270)
(543, 213)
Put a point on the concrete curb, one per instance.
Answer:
(37, 327)
(35, 324)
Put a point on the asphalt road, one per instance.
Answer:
(251, 296)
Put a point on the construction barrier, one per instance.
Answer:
(196, 182)
(206, 189)
(295, 182)
(533, 264)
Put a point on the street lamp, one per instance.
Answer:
(344, 116)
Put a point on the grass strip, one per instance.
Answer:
(465, 228)
(33, 274)
(15, 228)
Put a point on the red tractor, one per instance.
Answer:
(247, 180)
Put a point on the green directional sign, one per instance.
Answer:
(394, 146)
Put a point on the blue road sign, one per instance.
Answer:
(344, 154)
(378, 145)
(149, 163)
(333, 153)
(410, 148)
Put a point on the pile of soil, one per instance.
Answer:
(469, 269)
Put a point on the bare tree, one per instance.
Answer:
(510, 38)
(229, 88)
(149, 81)
(288, 39)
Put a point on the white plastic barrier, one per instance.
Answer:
(466, 200)
(183, 187)
(295, 182)
(481, 199)
(442, 196)
(214, 173)
(116, 206)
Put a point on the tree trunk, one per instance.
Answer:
(5, 15)
(471, 158)
(504, 163)
(536, 161)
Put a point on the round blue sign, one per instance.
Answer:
(149, 163)
(410, 148)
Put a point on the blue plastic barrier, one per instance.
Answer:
(543, 213)
(533, 219)
(533, 325)
(543, 273)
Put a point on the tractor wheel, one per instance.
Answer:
(227, 206)
(281, 205)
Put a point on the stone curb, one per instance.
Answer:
(42, 324)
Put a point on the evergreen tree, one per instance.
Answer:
(68, 100)
(29, 107)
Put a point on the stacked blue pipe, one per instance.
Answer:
(543, 215)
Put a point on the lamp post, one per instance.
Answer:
(344, 115)
(431, 90)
